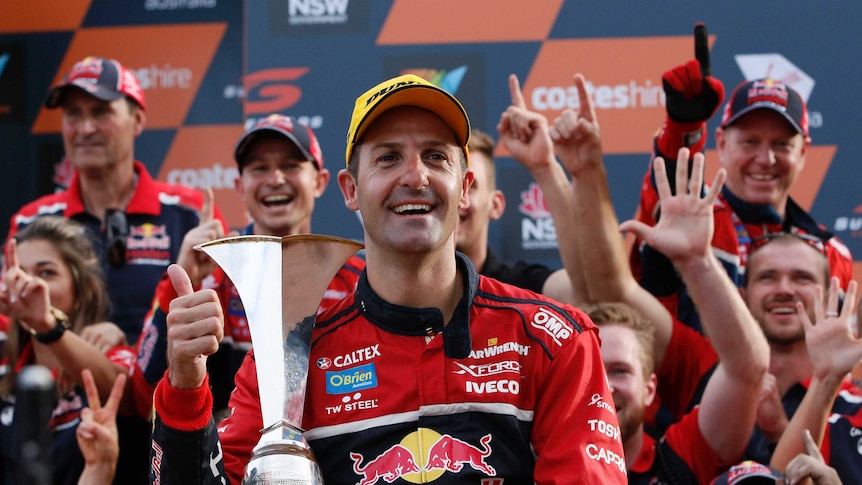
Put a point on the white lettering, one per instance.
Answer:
(357, 356)
(607, 456)
(499, 349)
(304, 12)
(629, 95)
(493, 368)
(558, 329)
(604, 428)
(216, 177)
(165, 77)
(598, 401)
(177, 4)
(490, 387)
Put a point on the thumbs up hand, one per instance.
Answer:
(195, 329)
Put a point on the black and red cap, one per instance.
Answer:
(769, 94)
(300, 135)
(104, 79)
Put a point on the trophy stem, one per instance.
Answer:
(281, 281)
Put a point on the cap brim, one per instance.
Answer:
(431, 98)
(55, 95)
(247, 139)
(765, 105)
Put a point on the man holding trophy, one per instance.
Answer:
(427, 370)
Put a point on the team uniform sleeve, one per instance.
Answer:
(684, 374)
(152, 360)
(576, 434)
(240, 431)
(185, 446)
(689, 445)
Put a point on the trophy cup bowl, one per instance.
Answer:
(281, 281)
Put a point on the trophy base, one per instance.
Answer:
(282, 463)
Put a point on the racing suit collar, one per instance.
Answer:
(795, 216)
(403, 320)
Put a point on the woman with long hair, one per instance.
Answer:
(51, 289)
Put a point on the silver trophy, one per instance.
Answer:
(281, 281)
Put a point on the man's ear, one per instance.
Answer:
(498, 205)
(140, 120)
(465, 190)
(347, 184)
(322, 181)
(651, 387)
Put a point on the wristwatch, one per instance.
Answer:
(55, 333)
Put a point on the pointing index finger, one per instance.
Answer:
(11, 259)
(701, 48)
(207, 209)
(515, 92)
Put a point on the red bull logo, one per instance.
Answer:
(406, 461)
(395, 462)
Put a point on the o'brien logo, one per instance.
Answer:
(767, 91)
(554, 326)
(350, 380)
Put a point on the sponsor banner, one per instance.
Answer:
(459, 22)
(462, 75)
(25, 16)
(168, 70)
(201, 157)
(622, 80)
(318, 17)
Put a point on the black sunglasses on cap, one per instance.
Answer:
(117, 229)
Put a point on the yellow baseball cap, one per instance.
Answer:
(407, 90)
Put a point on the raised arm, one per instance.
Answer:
(684, 234)
(525, 134)
(28, 301)
(595, 234)
(834, 350)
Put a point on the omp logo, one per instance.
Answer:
(4, 59)
(448, 81)
(306, 12)
(551, 324)
(269, 92)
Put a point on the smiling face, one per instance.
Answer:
(763, 155)
(409, 182)
(279, 186)
(39, 258)
(99, 134)
(779, 274)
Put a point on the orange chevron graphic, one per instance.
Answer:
(26, 16)
(622, 76)
(457, 21)
(201, 157)
(170, 72)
